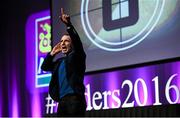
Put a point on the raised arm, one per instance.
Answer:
(77, 44)
(48, 63)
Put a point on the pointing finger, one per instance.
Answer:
(62, 11)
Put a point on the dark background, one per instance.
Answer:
(14, 14)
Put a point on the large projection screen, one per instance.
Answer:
(118, 33)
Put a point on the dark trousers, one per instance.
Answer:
(72, 105)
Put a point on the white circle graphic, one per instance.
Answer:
(89, 31)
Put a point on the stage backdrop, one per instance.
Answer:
(134, 32)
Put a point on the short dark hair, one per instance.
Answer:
(66, 33)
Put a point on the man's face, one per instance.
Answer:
(66, 44)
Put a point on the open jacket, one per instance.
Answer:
(75, 67)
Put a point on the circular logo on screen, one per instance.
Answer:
(117, 25)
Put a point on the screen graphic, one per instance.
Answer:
(119, 13)
(39, 44)
(43, 32)
(118, 33)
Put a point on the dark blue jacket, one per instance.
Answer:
(75, 67)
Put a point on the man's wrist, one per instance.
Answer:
(68, 24)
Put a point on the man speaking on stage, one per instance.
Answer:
(66, 85)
